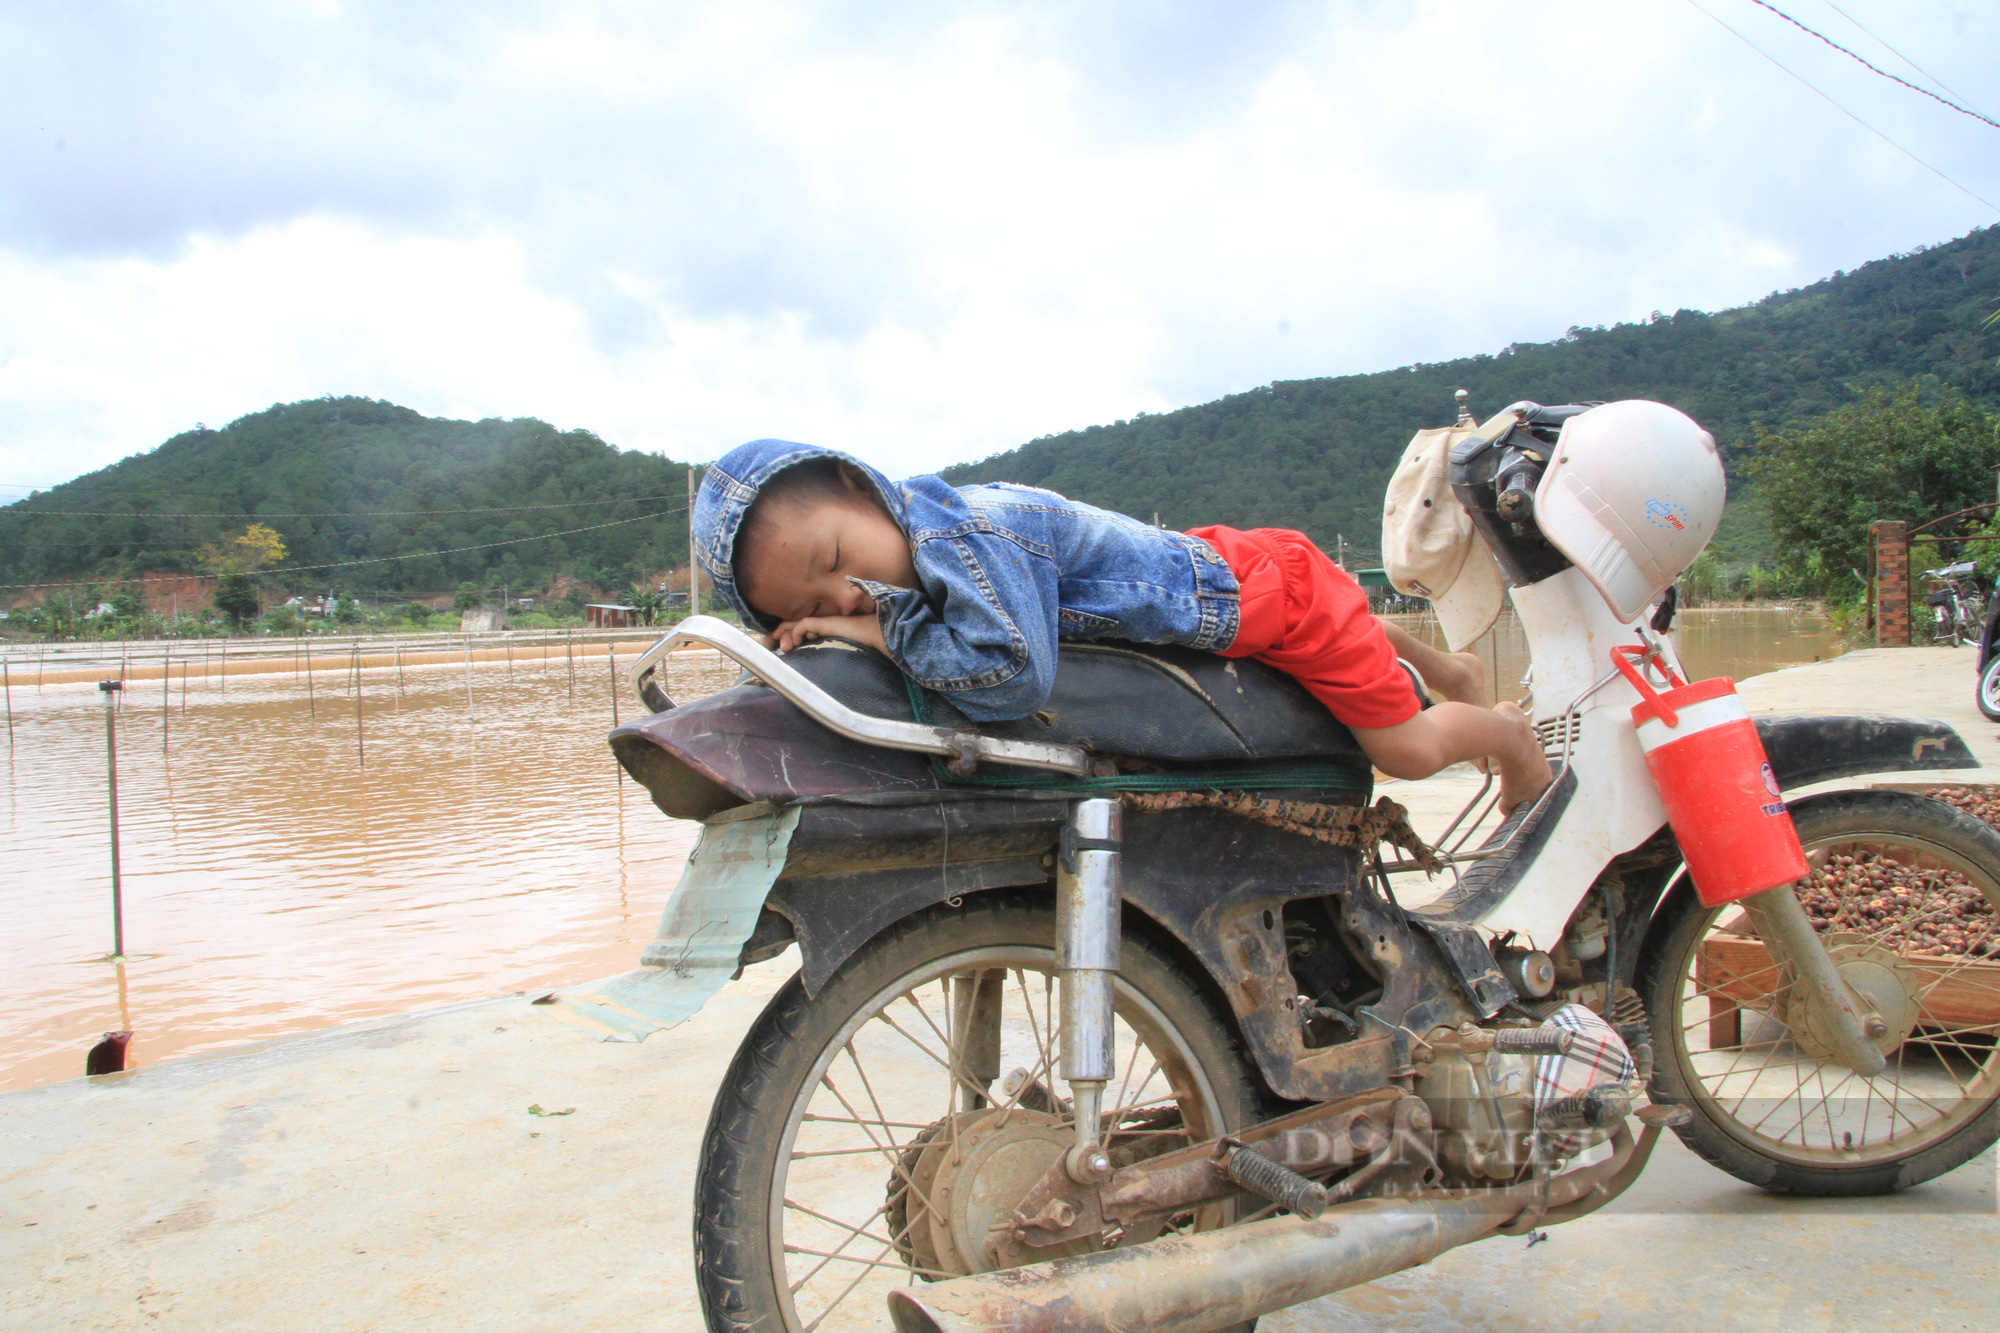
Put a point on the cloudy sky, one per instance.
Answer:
(921, 231)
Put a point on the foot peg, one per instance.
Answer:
(1271, 1180)
(1545, 1040)
(1597, 1107)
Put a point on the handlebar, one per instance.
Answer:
(966, 748)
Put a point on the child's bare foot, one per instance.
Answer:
(1460, 677)
(1523, 768)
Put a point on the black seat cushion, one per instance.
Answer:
(1174, 705)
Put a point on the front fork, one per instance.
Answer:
(1851, 1026)
(1087, 944)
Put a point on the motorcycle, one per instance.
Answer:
(1119, 1016)
(1954, 602)
(1987, 695)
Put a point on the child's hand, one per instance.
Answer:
(861, 629)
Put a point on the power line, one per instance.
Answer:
(1965, 190)
(344, 564)
(1944, 101)
(8, 511)
(1894, 51)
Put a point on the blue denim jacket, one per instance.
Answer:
(1005, 571)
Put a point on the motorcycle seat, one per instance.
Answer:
(1141, 701)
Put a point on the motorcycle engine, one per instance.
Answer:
(1482, 1134)
(1502, 1101)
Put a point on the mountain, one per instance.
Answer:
(1315, 454)
(348, 479)
(338, 477)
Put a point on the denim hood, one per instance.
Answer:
(1004, 572)
(730, 485)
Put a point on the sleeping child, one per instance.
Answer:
(969, 589)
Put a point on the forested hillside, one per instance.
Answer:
(350, 479)
(1315, 454)
(346, 480)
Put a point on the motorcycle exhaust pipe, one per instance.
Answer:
(1208, 1281)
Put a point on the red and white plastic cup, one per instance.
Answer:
(1721, 795)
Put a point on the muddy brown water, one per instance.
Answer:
(1738, 642)
(274, 883)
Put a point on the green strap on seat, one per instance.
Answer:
(1250, 775)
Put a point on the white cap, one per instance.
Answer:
(1429, 546)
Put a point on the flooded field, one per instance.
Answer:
(274, 882)
(1738, 642)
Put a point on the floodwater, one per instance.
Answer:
(1738, 642)
(274, 882)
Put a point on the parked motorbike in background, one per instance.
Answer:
(1954, 600)
(1118, 1016)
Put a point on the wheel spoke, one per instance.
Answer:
(811, 1118)
(894, 1153)
(1136, 1105)
(834, 1304)
(1131, 1062)
(856, 1152)
(826, 1257)
(943, 1064)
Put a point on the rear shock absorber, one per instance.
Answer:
(1087, 945)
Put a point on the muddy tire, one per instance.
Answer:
(779, 1186)
(1897, 878)
(1988, 692)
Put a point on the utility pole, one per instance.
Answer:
(1340, 549)
(694, 570)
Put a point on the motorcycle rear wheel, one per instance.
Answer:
(1906, 893)
(816, 1193)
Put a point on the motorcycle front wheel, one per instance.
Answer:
(1905, 893)
(872, 1136)
(1988, 693)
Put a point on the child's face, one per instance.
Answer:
(799, 565)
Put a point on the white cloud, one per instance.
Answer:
(924, 232)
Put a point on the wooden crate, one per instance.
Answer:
(1726, 967)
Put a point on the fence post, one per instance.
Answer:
(1890, 539)
(110, 689)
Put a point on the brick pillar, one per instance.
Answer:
(1891, 540)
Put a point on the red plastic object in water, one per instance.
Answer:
(1720, 793)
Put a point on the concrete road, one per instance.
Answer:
(390, 1175)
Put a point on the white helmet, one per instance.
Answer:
(1633, 492)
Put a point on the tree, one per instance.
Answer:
(251, 549)
(233, 558)
(647, 599)
(1915, 452)
(466, 598)
(236, 597)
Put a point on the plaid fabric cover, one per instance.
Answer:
(1596, 1056)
